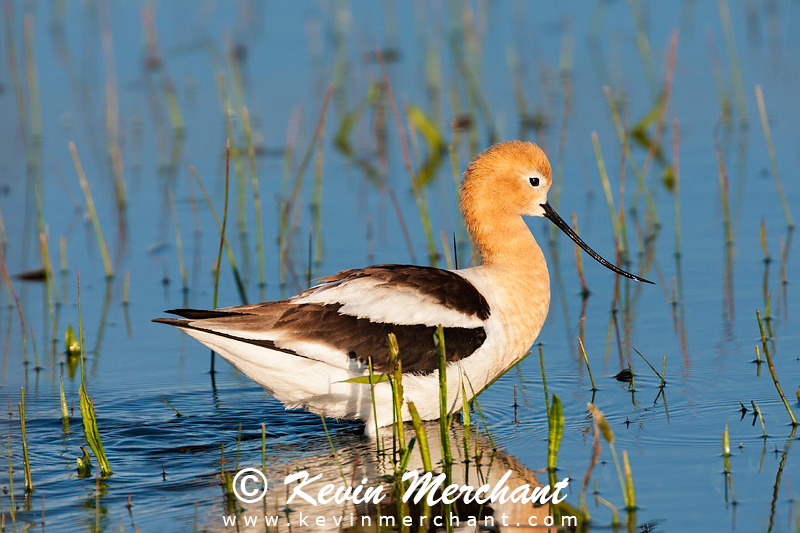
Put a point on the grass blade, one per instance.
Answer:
(544, 381)
(11, 484)
(90, 429)
(25, 459)
(555, 424)
(444, 417)
(251, 152)
(765, 124)
(236, 276)
(676, 187)
(64, 411)
(772, 369)
(397, 391)
(630, 495)
(422, 437)
(7, 279)
(87, 193)
(173, 408)
(586, 359)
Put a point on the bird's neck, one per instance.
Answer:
(505, 241)
(515, 265)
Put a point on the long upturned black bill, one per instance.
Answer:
(563, 226)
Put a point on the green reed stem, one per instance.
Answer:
(723, 192)
(52, 287)
(726, 449)
(422, 437)
(772, 369)
(25, 459)
(768, 136)
(12, 507)
(19, 308)
(33, 78)
(465, 406)
(586, 359)
(614, 511)
(35, 351)
(677, 187)
(64, 411)
(644, 46)
(87, 193)
(263, 449)
(224, 224)
(231, 259)
(396, 382)
(555, 424)
(719, 81)
(518, 84)
(730, 44)
(17, 82)
(126, 288)
(251, 152)
(726, 455)
(403, 226)
(630, 497)
(316, 207)
(783, 269)
(333, 449)
(62, 244)
(288, 157)
(221, 231)
(178, 243)
(448, 257)
(232, 152)
(3, 239)
(237, 87)
(444, 416)
(579, 258)
(660, 376)
(606, 185)
(757, 409)
(222, 470)
(608, 434)
(544, 381)
(372, 383)
(238, 447)
(90, 428)
(172, 407)
(173, 109)
(112, 108)
(633, 377)
(619, 474)
(478, 406)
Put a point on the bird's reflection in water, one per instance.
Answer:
(319, 481)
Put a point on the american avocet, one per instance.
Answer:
(304, 349)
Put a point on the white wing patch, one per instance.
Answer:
(379, 301)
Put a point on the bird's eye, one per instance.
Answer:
(534, 182)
